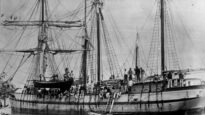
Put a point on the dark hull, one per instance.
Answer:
(54, 84)
(44, 112)
(198, 111)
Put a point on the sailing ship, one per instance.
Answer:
(161, 93)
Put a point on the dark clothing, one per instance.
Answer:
(65, 77)
(169, 76)
(130, 77)
(129, 88)
(125, 77)
(130, 71)
(137, 73)
(181, 76)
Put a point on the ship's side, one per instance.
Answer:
(170, 100)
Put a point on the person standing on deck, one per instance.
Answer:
(71, 75)
(181, 79)
(130, 84)
(125, 80)
(125, 76)
(142, 72)
(169, 77)
(137, 73)
(42, 77)
(130, 73)
(66, 75)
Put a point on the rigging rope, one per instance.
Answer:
(20, 64)
(21, 35)
(92, 58)
(174, 63)
(153, 58)
(112, 58)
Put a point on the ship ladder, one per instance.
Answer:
(110, 103)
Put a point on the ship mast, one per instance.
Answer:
(98, 41)
(162, 36)
(42, 47)
(97, 4)
(84, 66)
(137, 52)
(42, 40)
(42, 10)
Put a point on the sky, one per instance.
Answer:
(132, 16)
(188, 17)
(191, 12)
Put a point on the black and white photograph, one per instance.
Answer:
(102, 57)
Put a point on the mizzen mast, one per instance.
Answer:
(137, 51)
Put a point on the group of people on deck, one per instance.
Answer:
(128, 76)
(175, 79)
(137, 73)
(47, 91)
(67, 75)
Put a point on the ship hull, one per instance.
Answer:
(124, 109)
(158, 102)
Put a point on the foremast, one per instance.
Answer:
(42, 50)
(42, 41)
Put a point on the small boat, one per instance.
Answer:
(54, 84)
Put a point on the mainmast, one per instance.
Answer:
(84, 66)
(97, 5)
(98, 46)
(162, 37)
